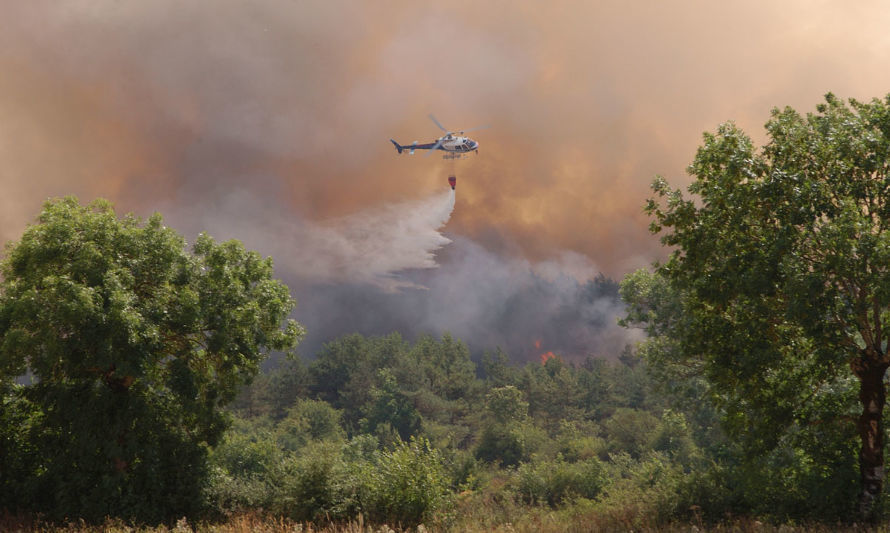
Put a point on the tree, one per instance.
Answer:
(781, 266)
(445, 366)
(345, 372)
(497, 369)
(553, 391)
(503, 437)
(390, 408)
(134, 345)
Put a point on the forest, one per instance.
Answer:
(133, 396)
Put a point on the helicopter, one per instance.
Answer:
(453, 142)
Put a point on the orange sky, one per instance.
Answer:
(167, 105)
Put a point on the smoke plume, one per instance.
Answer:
(485, 299)
(368, 247)
(270, 121)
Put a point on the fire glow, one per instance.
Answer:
(544, 356)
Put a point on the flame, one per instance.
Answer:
(544, 356)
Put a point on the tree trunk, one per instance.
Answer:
(870, 371)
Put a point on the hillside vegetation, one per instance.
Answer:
(131, 392)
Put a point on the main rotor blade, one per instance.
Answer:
(441, 127)
(434, 148)
(476, 128)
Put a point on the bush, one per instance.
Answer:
(228, 495)
(311, 483)
(244, 470)
(630, 430)
(243, 454)
(509, 444)
(407, 485)
(554, 482)
(643, 493)
(309, 420)
(578, 441)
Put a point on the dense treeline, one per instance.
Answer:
(417, 432)
(408, 433)
(544, 434)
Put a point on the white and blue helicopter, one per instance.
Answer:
(453, 143)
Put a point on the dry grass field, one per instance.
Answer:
(530, 523)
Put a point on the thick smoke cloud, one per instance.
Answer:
(140, 101)
(368, 247)
(490, 301)
(269, 121)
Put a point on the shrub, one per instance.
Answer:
(310, 483)
(509, 444)
(243, 454)
(554, 482)
(630, 430)
(228, 495)
(244, 469)
(406, 485)
(643, 493)
(309, 420)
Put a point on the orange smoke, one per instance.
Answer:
(603, 86)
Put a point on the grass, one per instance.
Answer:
(540, 521)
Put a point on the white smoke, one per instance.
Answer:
(367, 247)
(373, 245)
(484, 298)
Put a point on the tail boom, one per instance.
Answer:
(413, 146)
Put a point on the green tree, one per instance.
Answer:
(781, 272)
(505, 404)
(553, 391)
(446, 366)
(391, 408)
(507, 437)
(134, 345)
(497, 369)
(345, 372)
(440, 379)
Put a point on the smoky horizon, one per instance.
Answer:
(271, 123)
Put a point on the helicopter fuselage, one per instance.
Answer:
(448, 143)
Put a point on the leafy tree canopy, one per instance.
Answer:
(134, 344)
(781, 267)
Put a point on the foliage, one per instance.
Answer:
(310, 483)
(555, 482)
(642, 492)
(390, 408)
(777, 292)
(309, 420)
(630, 431)
(133, 345)
(407, 485)
(505, 404)
(509, 437)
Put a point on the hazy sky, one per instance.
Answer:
(269, 121)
